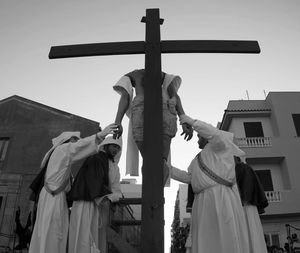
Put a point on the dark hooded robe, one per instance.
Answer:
(250, 187)
(37, 185)
(92, 180)
(97, 182)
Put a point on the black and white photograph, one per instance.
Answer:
(149, 126)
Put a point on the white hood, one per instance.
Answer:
(111, 140)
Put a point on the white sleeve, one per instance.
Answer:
(175, 80)
(204, 129)
(212, 134)
(180, 175)
(81, 149)
(125, 83)
(115, 186)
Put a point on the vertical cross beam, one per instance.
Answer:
(152, 235)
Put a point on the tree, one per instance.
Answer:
(24, 233)
(178, 233)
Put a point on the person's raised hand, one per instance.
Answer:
(118, 133)
(110, 129)
(187, 131)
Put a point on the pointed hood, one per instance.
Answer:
(229, 139)
(63, 137)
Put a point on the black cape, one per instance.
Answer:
(250, 188)
(37, 185)
(91, 180)
(38, 182)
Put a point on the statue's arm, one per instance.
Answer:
(187, 130)
(122, 108)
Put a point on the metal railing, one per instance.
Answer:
(254, 142)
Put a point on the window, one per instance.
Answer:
(3, 148)
(272, 239)
(296, 119)
(265, 179)
(2, 206)
(253, 129)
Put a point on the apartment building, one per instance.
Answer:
(269, 133)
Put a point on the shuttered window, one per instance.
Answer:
(4, 142)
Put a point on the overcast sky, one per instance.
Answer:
(83, 86)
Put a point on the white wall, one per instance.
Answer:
(182, 202)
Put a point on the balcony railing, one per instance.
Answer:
(273, 196)
(254, 142)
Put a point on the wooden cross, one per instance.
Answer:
(152, 235)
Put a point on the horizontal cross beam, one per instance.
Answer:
(110, 48)
(210, 46)
(126, 222)
(167, 46)
(129, 201)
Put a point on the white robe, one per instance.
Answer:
(218, 223)
(89, 218)
(51, 226)
(255, 230)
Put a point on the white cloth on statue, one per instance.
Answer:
(255, 230)
(87, 216)
(132, 153)
(52, 220)
(218, 223)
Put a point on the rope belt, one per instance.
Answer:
(211, 174)
(58, 190)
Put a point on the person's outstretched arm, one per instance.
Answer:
(115, 186)
(88, 145)
(179, 175)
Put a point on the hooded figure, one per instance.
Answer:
(52, 219)
(218, 223)
(97, 181)
(254, 202)
(38, 183)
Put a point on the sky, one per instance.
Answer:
(83, 86)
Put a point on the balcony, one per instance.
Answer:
(273, 196)
(254, 142)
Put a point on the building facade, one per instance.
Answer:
(184, 213)
(26, 130)
(269, 133)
